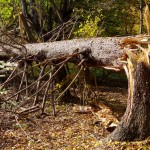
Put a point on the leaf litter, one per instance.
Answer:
(70, 130)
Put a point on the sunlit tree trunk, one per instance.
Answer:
(135, 124)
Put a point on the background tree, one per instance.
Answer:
(57, 20)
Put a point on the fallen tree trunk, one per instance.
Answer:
(102, 51)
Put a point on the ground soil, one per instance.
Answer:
(68, 130)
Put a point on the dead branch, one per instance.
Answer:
(29, 110)
(70, 84)
(38, 84)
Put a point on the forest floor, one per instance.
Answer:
(68, 130)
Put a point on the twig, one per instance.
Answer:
(45, 62)
(57, 10)
(12, 73)
(45, 94)
(26, 83)
(70, 83)
(70, 56)
(48, 33)
(14, 46)
(82, 61)
(37, 80)
(52, 98)
(117, 69)
(57, 34)
(48, 80)
(38, 84)
(28, 101)
(16, 118)
(29, 110)
(28, 86)
(10, 77)
(22, 80)
(95, 80)
(72, 28)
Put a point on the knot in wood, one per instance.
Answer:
(41, 55)
(85, 54)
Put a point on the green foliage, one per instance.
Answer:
(8, 13)
(95, 18)
(89, 28)
(120, 18)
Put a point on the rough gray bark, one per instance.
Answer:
(103, 51)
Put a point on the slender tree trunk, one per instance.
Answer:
(141, 16)
(34, 16)
(135, 124)
(24, 7)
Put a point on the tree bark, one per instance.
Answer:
(135, 124)
(34, 17)
(24, 7)
(102, 51)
